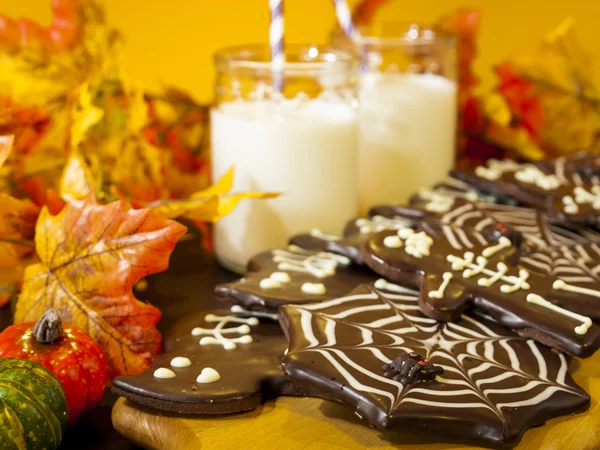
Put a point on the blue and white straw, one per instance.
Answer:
(277, 43)
(344, 17)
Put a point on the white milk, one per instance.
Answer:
(308, 151)
(407, 135)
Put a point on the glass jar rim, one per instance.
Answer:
(299, 57)
(403, 34)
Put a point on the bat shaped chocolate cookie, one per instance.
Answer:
(454, 267)
(468, 379)
(293, 275)
(530, 228)
(215, 362)
(567, 189)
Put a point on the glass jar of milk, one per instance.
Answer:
(408, 109)
(293, 132)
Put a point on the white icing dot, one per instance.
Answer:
(180, 361)
(392, 242)
(404, 233)
(164, 373)
(314, 288)
(281, 277)
(269, 283)
(197, 331)
(208, 375)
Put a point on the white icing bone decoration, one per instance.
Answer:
(216, 335)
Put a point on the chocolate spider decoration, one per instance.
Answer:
(408, 367)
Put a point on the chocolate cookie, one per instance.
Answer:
(530, 228)
(577, 269)
(293, 275)
(567, 189)
(454, 267)
(215, 362)
(356, 233)
(469, 379)
(318, 241)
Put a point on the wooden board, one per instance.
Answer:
(308, 423)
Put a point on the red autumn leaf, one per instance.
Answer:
(521, 96)
(90, 258)
(62, 34)
(365, 11)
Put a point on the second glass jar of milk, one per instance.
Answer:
(408, 107)
(293, 131)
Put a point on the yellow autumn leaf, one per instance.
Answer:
(76, 181)
(138, 111)
(496, 109)
(6, 143)
(208, 205)
(84, 115)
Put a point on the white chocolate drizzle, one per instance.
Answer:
(503, 243)
(476, 360)
(316, 233)
(391, 287)
(439, 293)
(314, 288)
(586, 322)
(208, 375)
(380, 223)
(237, 309)
(563, 286)
(164, 373)
(532, 175)
(180, 362)
(217, 333)
(320, 265)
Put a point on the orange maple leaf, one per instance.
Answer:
(17, 222)
(90, 258)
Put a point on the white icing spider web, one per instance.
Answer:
(484, 369)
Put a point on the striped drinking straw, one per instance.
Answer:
(344, 17)
(276, 42)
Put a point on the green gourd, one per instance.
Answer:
(33, 406)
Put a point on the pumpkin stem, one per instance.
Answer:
(49, 327)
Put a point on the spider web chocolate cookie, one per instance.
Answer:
(567, 188)
(454, 267)
(530, 228)
(214, 363)
(293, 275)
(471, 379)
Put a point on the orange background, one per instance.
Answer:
(172, 42)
